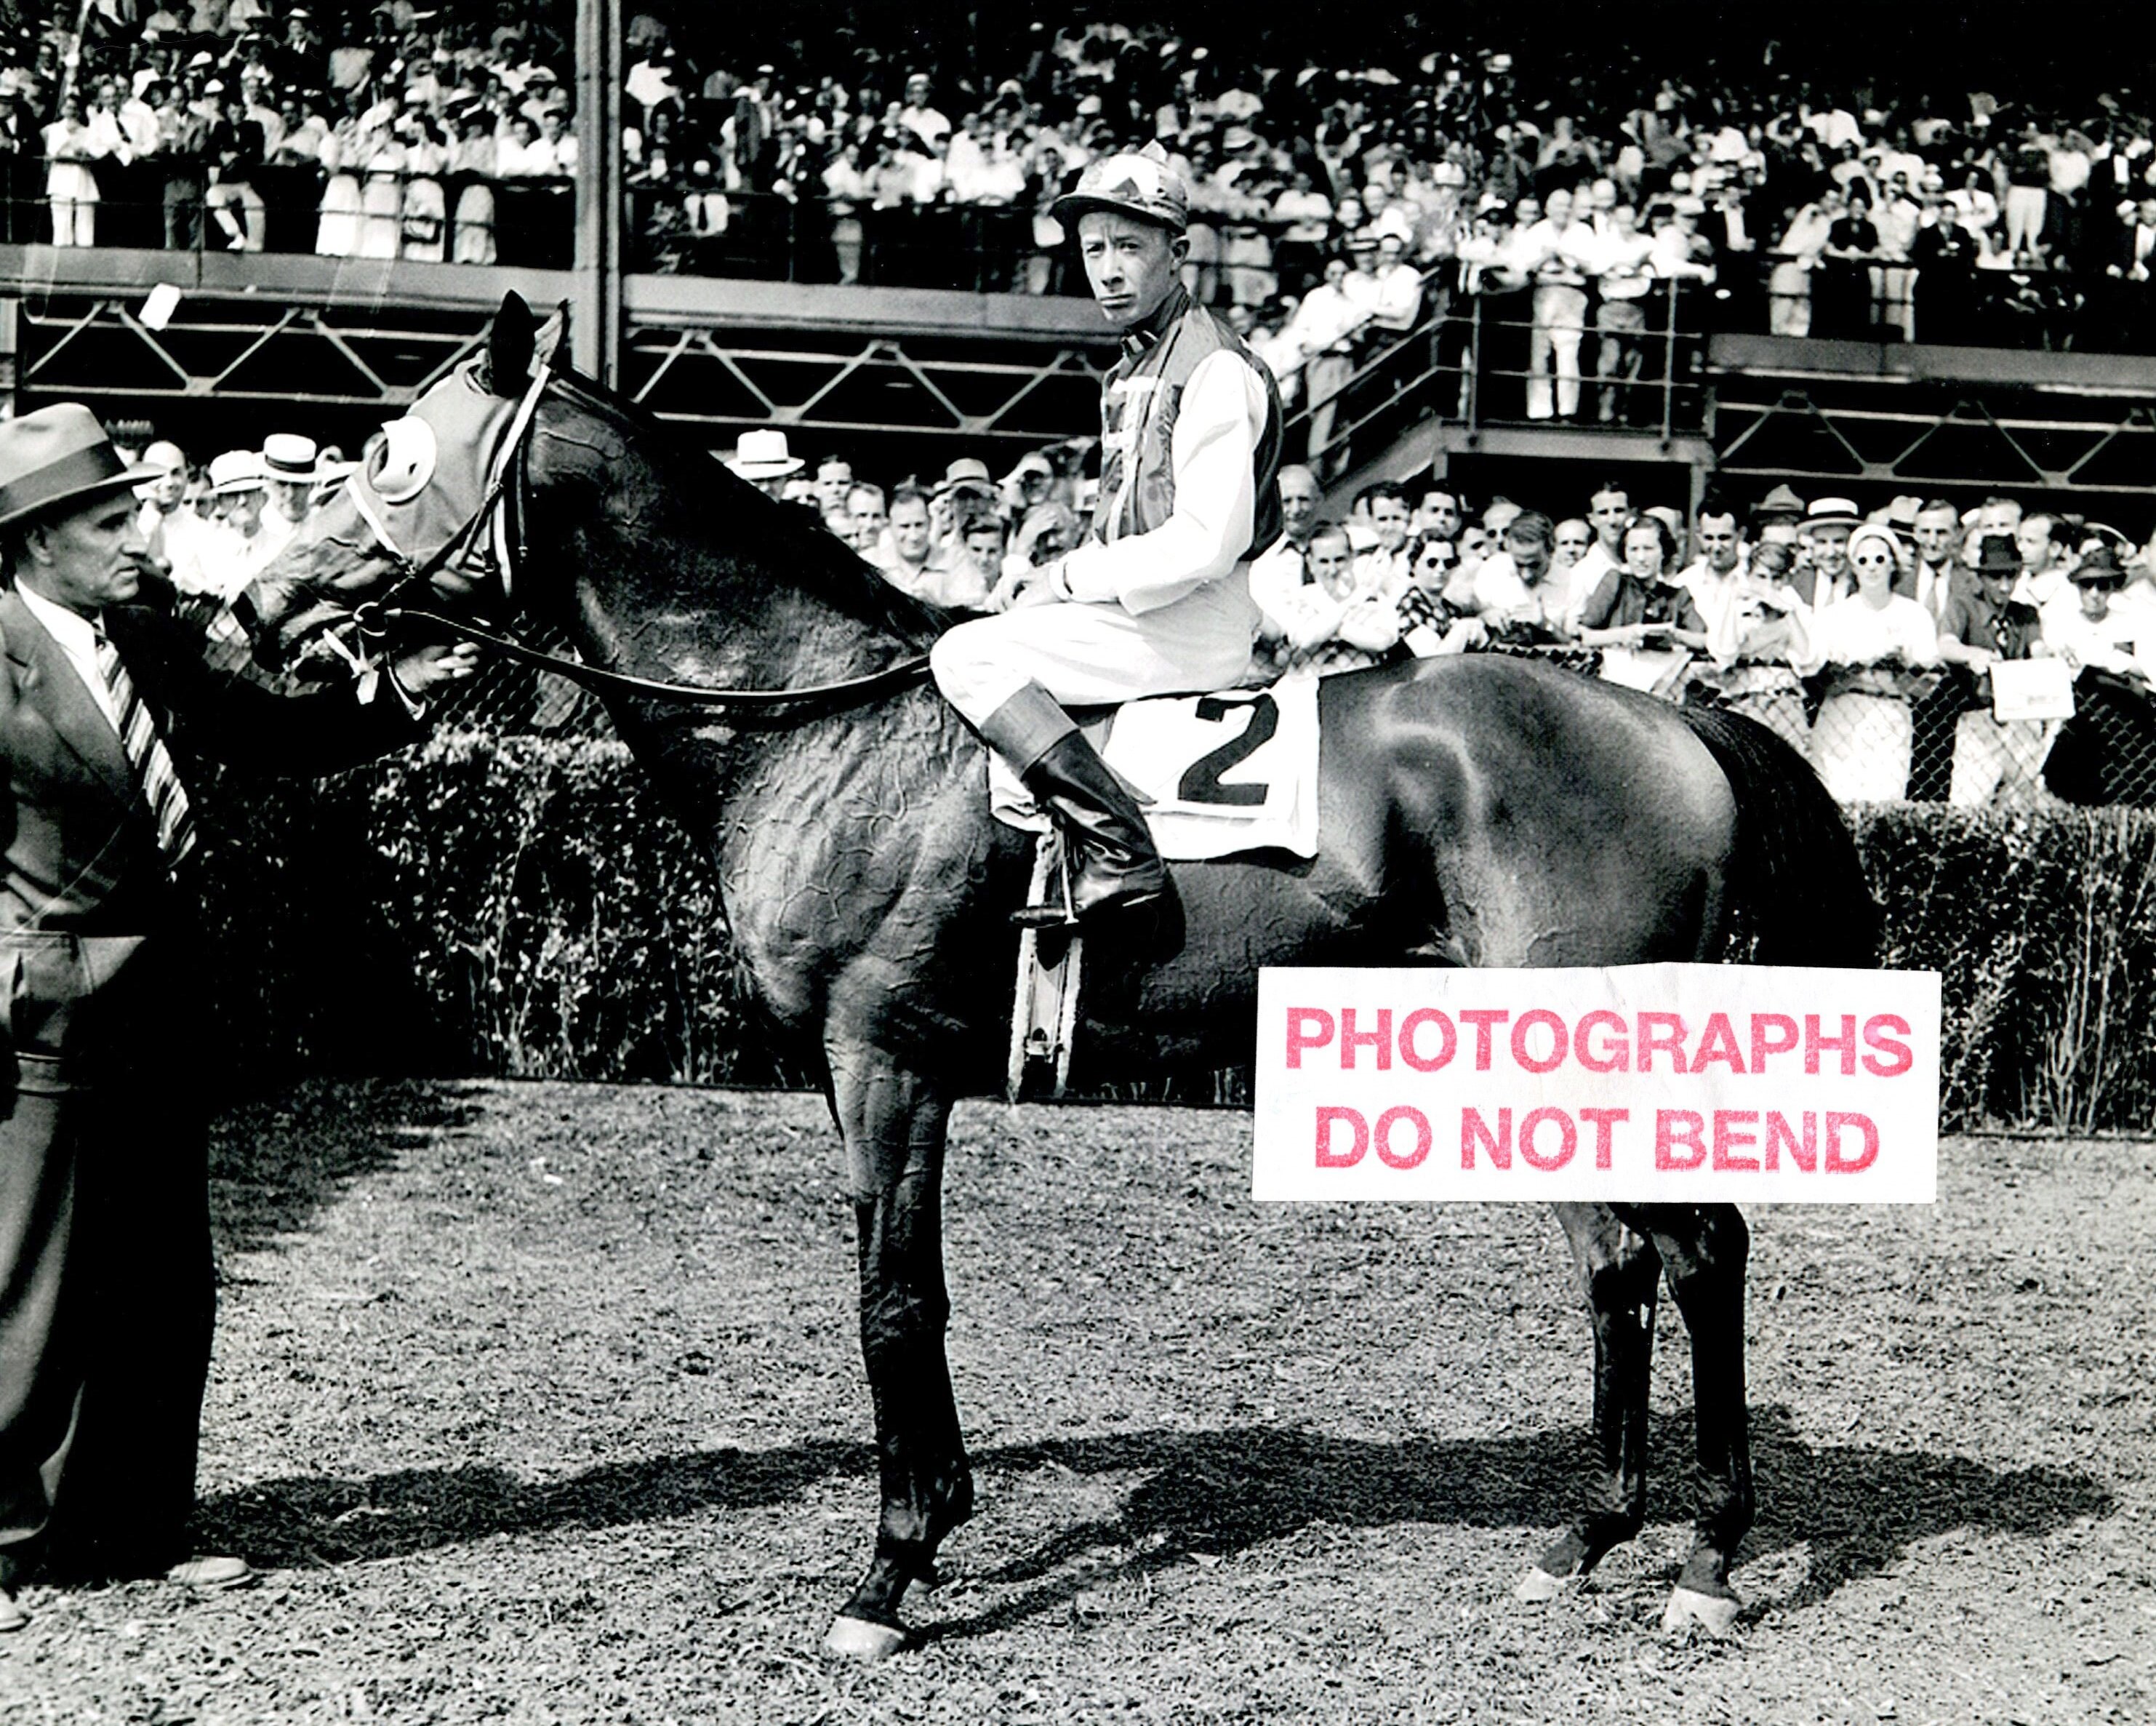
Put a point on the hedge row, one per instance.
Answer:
(523, 906)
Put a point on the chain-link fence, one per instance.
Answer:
(1878, 736)
(1932, 736)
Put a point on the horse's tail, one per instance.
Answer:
(1798, 894)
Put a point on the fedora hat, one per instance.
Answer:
(2099, 569)
(763, 456)
(59, 454)
(293, 458)
(235, 471)
(1997, 557)
(1781, 503)
(965, 474)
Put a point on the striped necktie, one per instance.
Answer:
(146, 754)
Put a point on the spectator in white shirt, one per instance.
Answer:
(925, 121)
(1609, 509)
(1560, 249)
(1516, 585)
(1384, 567)
(1323, 330)
(1278, 570)
(1329, 623)
(1621, 260)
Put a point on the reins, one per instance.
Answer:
(598, 677)
(373, 619)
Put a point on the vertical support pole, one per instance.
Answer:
(11, 356)
(1472, 387)
(1670, 360)
(595, 320)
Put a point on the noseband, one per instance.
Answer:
(484, 543)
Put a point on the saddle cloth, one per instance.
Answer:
(1218, 774)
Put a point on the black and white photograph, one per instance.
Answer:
(984, 864)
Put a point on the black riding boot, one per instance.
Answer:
(1113, 861)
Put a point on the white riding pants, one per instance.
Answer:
(1093, 655)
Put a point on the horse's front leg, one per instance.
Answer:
(894, 1123)
(1619, 1273)
(1705, 1248)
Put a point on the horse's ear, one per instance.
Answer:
(549, 339)
(510, 346)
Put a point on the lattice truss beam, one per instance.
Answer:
(2106, 449)
(333, 355)
(884, 384)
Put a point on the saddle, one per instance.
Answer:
(1217, 775)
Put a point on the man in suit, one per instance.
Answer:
(107, 1294)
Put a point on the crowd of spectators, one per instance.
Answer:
(1833, 206)
(1866, 639)
(443, 134)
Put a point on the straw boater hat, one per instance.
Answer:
(763, 456)
(1832, 512)
(293, 459)
(59, 455)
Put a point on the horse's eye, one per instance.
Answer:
(404, 464)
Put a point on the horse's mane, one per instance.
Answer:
(780, 541)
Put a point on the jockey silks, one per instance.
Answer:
(1139, 403)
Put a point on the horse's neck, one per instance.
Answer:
(661, 565)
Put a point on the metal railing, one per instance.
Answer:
(1472, 362)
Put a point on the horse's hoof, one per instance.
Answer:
(1714, 1613)
(862, 1639)
(1538, 1588)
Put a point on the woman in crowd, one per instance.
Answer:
(382, 197)
(344, 153)
(1639, 603)
(1872, 643)
(472, 168)
(1761, 646)
(1430, 623)
(425, 222)
(1841, 282)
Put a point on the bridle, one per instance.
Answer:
(485, 542)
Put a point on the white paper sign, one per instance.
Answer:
(2032, 689)
(1683, 1084)
(157, 309)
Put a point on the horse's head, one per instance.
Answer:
(423, 520)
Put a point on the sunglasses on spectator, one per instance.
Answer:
(1865, 558)
(1430, 560)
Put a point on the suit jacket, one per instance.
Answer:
(82, 882)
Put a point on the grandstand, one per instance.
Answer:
(1920, 267)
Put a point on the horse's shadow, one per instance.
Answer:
(1215, 1493)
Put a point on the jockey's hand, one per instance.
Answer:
(423, 668)
(1079, 578)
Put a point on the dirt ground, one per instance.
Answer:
(540, 1403)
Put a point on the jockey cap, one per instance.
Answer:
(1139, 183)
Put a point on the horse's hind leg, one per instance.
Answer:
(1620, 1274)
(1704, 1248)
(894, 1124)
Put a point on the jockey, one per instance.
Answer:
(1157, 598)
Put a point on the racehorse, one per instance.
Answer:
(1482, 810)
